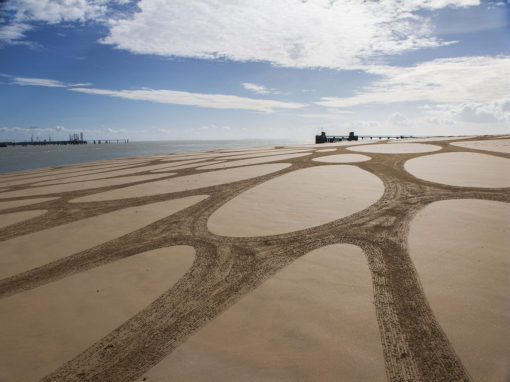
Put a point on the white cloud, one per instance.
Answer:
(482, 113)
(24, 12)
(452, 80)
(27, 81)
(259, 89)
(13, 32)
(293, 33)
(215, 101)
(55, 11)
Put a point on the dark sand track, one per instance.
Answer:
(225, 269)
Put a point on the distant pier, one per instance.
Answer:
(323, 138)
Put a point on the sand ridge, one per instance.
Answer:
(226, 269)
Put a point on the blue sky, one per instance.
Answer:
(220, 69)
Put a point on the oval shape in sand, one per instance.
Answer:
(25, 252)
(45, 327)
(18, 217)
(460, 250)
(297, 200)
(184, 183)
(312, 321)
(343, 158)
(496, 145)
(68, 187)
(251, 161)
(24, 202)
(325, 150)
(396, 148)
(461, 169)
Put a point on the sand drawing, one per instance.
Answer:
(269, 264)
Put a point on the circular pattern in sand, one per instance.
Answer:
(343, 158)
(496, 145)
(312, 321)
(297, 200)
(462, 169)
(460, 250)
(184, 183)
(396, 148)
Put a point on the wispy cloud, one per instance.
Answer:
(292, 33)
(258, 89)
(215, 101)
(452, 80)
(26, 81)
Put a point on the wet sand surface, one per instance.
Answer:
(18, 217)
(47, 326)
(397, 148)
(252, 161)
(311, 276)
(298, 200)
(25, 252)
(23, 202)
(462, 169)
(76, 186)
(185, 183)
(313, 321)
(460, 249)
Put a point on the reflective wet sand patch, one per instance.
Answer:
(343, 158)
(462, 169)
(18, 217)
(251, 161)
(21, 203)
(497, 145)
(297, 200)
(460, 250)
(397, 148)
(183, 183)
(45, 327)
(33, 250)
(67, 187)
(313, 321)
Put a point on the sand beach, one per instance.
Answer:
(376, 260)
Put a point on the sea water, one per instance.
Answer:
(15, 158)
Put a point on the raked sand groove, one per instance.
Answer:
(414, 345)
